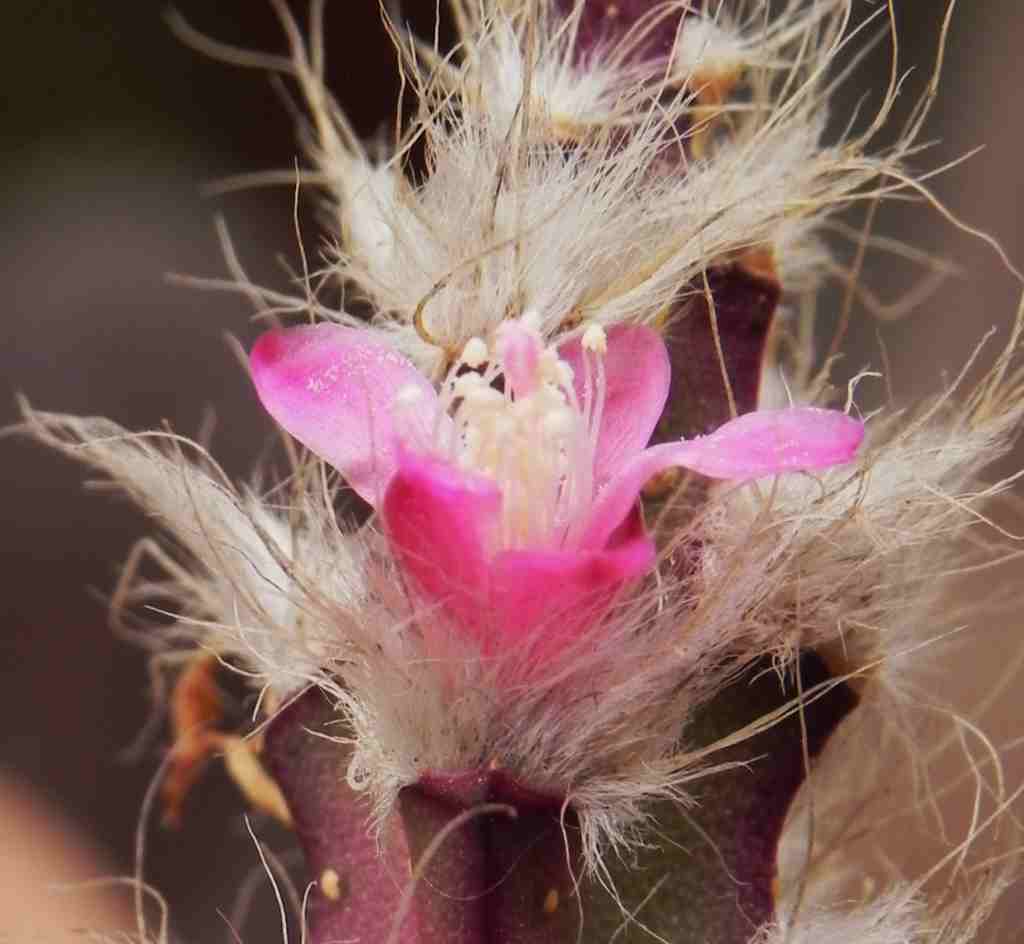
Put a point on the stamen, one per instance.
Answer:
(600, 393)
(534, 437)
(531, 320)
(467, 385)
(475, 354)
(595, 339)
(558, 425)
(519, 350)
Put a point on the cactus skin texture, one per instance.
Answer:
(511, 873)
(604, 21)
(745, 300)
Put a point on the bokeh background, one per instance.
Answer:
(110, 130)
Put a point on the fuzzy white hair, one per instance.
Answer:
(859, 557)
(894, 919)
(575, 188)
(608, 231)
(235, 590)
(874, 793)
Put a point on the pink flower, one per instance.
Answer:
(515, 510)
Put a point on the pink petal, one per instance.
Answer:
(766, 442)
(334, 389)
(757, 444)
(637, 374)
(439, 521)
(543, 601)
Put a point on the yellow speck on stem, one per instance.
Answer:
(330, 884)
(551, 901)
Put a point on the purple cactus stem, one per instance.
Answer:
(478, 857)
(501, 876)
(708, 874)
(745, 301)
(332, 822)
(605, 22)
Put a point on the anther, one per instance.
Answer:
(595, 339)
(475, 353)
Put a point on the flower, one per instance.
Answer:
(509, 497)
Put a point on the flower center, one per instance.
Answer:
(533, 437)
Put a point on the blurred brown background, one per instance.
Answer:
(110, 129)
